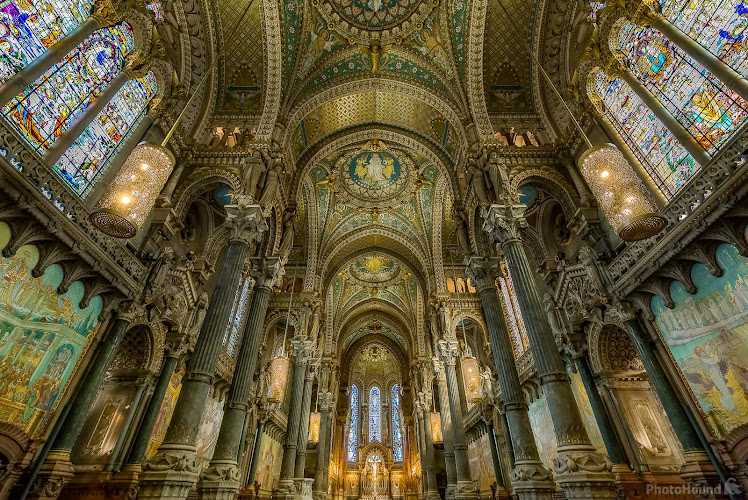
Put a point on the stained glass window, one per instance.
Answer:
(353, 431)
(512, 314)
(238, 311)
(375, 415)
(28, 28)
(83, 163)
(157, 9)
(397, 434)
(718, 25)
(707, 108)
(595, 7)
(664, 159)
(45, 109)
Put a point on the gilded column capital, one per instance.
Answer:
(106, 14)
(325, 401)
(483, 272)
(301, 349)
(449, 351)
(267, 271)
(503, 222)
(246, 222)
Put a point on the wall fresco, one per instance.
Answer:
(481, 463)
(166, 411)
(210, 425)
(268, 469)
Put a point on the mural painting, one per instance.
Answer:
(210, 425)
(166, 411)
(583, 402)
(270, 456)
(542, 429)
(42, 337)
(707, 334)
(481, 463)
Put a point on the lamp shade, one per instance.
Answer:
(130, 197)
(436, 427)
(278, 378)
(471, 377)
(622, 196)
(314, 419)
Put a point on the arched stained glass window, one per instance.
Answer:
(375, 415)
(238, 311)
(43, 111)
(707, 108)
(83, 163)
(397, 434)
(718, 25)
(28, 28)
(512, 314)
(664, 159)
(352, 454)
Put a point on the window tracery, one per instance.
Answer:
(30, 28)
(353, 431)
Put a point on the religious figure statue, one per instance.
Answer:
(463, 237)
(272, 184)
(497, 174)
(254, 168)
(476, 181)
(165, 261)
(288, 234)
(588, 259)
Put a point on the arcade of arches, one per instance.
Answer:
(373, 249)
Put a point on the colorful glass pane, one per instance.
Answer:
(238, 311)
(664, 159)
(397, 434)
(707, 108)
(375, 415)
(157, 9)
(595, 7)
(46, 108)
(83, 163)
(352, 454)
(512, 314)
(29, 28)
(718, 25)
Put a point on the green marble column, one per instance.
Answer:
(325, 402)
(530, 479)
(446, 419)
(303, 432)
(256, 452)
(221, 480)
(174, 470)
(494, 454)
(581, 471)
(423, 404)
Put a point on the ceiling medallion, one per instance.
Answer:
(375, 268)
(374, 174)
(361, 21)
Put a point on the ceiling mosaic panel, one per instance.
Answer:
(374, 361)
(374, 327)
(458, 16)
(374, 268)
(292, 29)
(507, 69)
(241, 75)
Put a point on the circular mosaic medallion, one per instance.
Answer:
(374, 176)
(388, 21)
(374, 268)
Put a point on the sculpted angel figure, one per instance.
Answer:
(496, 171)
(254, 168)
(476, 181)
(288, 234)
(272, 184)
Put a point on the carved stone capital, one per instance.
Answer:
(449, 351)
(301, 349)
(174, 461)
(130, 311)
(585, 474)
(325, 401)
(267, 271)
(106, 14)
(622, 311)
(222, 471)
(504, 222)
(246, 222)
(483, 272)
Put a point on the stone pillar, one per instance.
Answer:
(423, 404)
(300, 348)
(581, 471)
(699, 466)
(57, 469)
(104, 14)
(325, 401)
(449, 349)
(221, 480)
(507, 438)
(256, 452)
(679, 131)
(174, 470)
(530, 479)
(446, 418)
(303, 438)
(494, 454)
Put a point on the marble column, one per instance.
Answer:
(221, 480)
(175, 469)
(449, 349)
(57, 469)
(303, 438)
(104, 14)
(325, 402)
(507, 439)
(494, 454)
(423, 404)
(300, 349)
(446, 419)
(530, 479)
(581, 471)
(260, 434)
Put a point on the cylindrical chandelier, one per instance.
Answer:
(621, 194)
(436, 427)
(130, 197)
(314, 420)
(278, 378)
(471, 377)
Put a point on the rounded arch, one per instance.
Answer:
(368, 311)
(348, 355)
(552, 182)
(200, 181)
